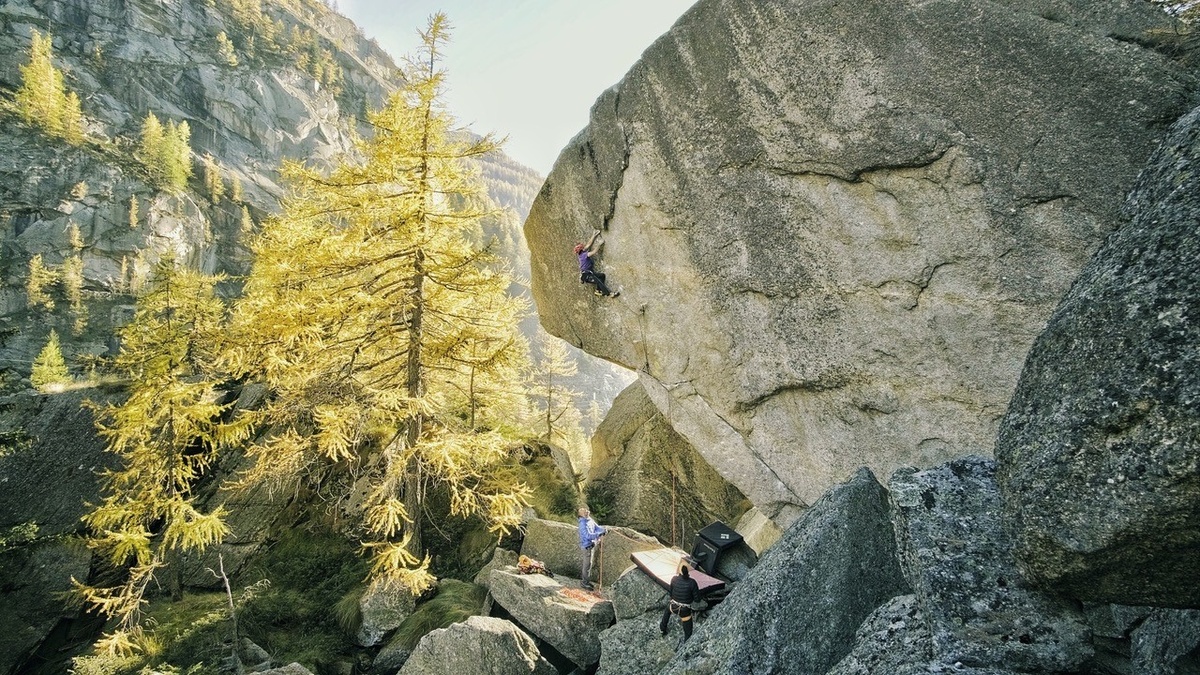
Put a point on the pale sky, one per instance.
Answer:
(528, 69)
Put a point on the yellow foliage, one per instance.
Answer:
(43, 99)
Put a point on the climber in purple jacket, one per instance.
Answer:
(587, 266)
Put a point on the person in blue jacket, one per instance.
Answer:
(589, 537)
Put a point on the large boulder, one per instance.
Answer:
(654, 480)
(480, 645)
(799, 608)
(959, 562)
(35, 578)
(1100, 450)
(384, 605)
(566, 619)
(861, 213)
(896, 640)
(557, 545)
(635, 593)
(636, 647)
(1167, 642)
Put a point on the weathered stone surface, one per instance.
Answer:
(1167, 642)
(557, 545)
(798, 609)
(480, 645)
(757, 530)
(289, 669)
(537, 602)
(653, 478)
(959, 562)
(1100, 450)
(390, 658)
(34, 577)
(634, 594)
(862, 230)
(635, 646)
(895, 640)
(385, 605)
(501, 558)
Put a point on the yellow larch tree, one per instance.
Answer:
(379, 327)
(166, 433)
(43, 99)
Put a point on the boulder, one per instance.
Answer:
(1167, 642)
(481, 645)
(635, 593)
(34, 577)
(391, 657)
(1100, 449)
(798, 609)
(653, 480)
(959, 562)
(289, 669)
(385, 605)
(562, 617)
(757, 530)
(895, 640)
(635, 646)
(862, 213)
(557, 545)
(501, 558)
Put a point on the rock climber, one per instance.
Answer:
(684, 591)
(587, 266)
(589, 536)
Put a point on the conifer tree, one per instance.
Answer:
(133, 212)
(166, 433)
(235, 190)
(370, 314)
(165, 152)
(212, 178)
(40, 278)
(43, 99)
(549, 386)
(72, 284)
(226, 51)
(50, 368)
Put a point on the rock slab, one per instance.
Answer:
(959, 562)
(1100, 450)
(565, 621)
(797, 611)
(480, 645)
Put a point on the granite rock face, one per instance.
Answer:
(797, 611)
(565, 622)
(655, 480)
(959, 562)
(557, 545)
(835, 246)
(478, 646)
(1100, 450)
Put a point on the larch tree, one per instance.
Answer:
(166, 433)
(557, 412)
(50, 368)
(166, 152)
(37, 283)
(43, 99)
(379, 327)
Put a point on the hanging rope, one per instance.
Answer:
(600, 554)
(674, 538)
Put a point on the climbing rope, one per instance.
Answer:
(674, 539)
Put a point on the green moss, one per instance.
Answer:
(295, 619)
(455, 601)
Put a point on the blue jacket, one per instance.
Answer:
(589, 532)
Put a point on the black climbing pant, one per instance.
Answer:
(597, 280)
(685, 618)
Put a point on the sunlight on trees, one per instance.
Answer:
(166, 153)
(379, 328)
(43, 100)
(39, 279)
(166, 434)
(50, 368)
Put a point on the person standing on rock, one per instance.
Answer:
(587, 266)
(589, 535)
(684, 591)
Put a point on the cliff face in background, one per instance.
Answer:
(837, 229)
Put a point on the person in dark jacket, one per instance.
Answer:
(684, 591)
(587, 266)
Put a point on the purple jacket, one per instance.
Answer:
(585, 262)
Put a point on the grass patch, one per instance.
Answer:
(455, 601)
